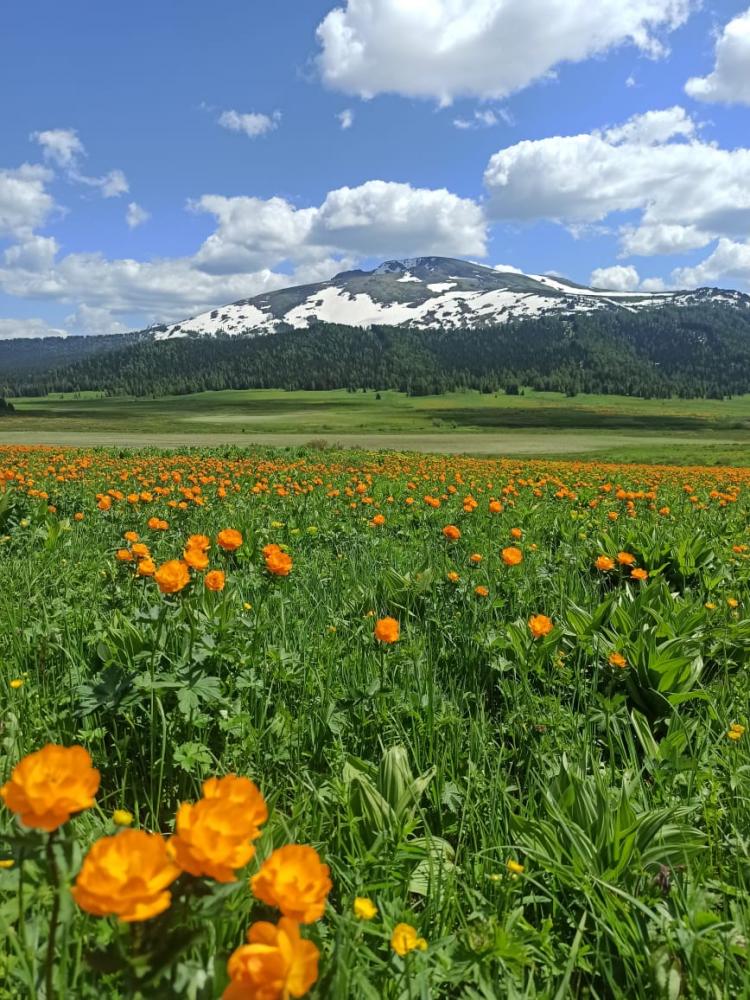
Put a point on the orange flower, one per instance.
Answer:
(451, 532)
(453, 576)
(172, 576)
(512, 556)
(516, 533)
(540, 625)
(200, 542)
(295, 880)
(387, 630)
(215, 580)
(146, 567)
(78, 516)
(604, 564)
(475, 558)
(278, 563)
(378, 520)
(131, 536)
(496, 507)
(140, 551)
(275, 964)
(626, 558)
(481, 591)
(214, 836)
(126, 876)
(123, 555)
(618, 660)
(48, 786)
(639, 574)
(195, 558)
(405, 939)
(229, 539)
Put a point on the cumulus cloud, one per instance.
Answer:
(443, 49)
(509, 268)
(62, 147)
(15, 329)
(729, 260)
(252, 124)
(617, 279)
(729, 82)
(135, 215)
(378, 218)
(687, 191)
(94, 321)
(345, 118)
(25, 203)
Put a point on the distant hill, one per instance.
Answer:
(429, 324)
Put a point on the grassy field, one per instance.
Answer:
(620, 428)
(494, 713)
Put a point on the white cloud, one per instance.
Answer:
(14, 329)
(484, 118)
(507, 267)
(631, 81)
(378, 218)
(94, 321)
(730, 259)
(616, 279)
(729, 82)
(24, 202)
(653, 285)
(60, 145)
(443, 49)
(252, 123)
(687, 191)
(35, 253)
(345, 118)
(136, 215)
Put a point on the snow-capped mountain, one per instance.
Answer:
(427, 292)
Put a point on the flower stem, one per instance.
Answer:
(53, 920)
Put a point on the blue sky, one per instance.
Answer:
(157, 159)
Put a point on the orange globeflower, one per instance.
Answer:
(278, 563)
(540, 625)
(604, 564)
(172, 576)
(496, 507)
(626, 558)
(131, 536)
(405, 939)
(214, 836)
(126, 876)
(512, 556)
(140, 551)
(229, 539)
(516, 533)
(200, 542)
(123, 555)
(475, 558)
(481, 591)
(195, 558)
(78, 516)
(451, 532)
(146, 567)
(639, 574)
(378, 520)
(618, 660)
(387, 630)
(215, 580)
(295, 880)
(49, 785)
(275, 964)
(453, 576)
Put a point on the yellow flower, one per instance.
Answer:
(405, 939)
(514, 867)
(7, 863)
(364, 909)
(122, 817)
(16, 683)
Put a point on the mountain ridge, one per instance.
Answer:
(428, 292)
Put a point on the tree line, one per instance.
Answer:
(692, 352)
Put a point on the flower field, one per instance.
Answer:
(285, 724)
